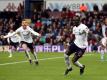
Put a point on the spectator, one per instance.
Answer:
(98, 31)
(38, 24)
(83, 8)
(56, 27)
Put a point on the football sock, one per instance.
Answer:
(10, 52)
(99, 49)
(89, 48)
(102, 54)
(35, 56)
(67, 61)
(28, 55)
(78, 64)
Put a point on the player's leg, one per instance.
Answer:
(24, 46)
(2, 43)
(35, 56)
(69, 50)
(33, 52)
(16, 46)
(75, 61)
(10, 51)
(68, 63)
(102, 50)
(99, 49)
(3, 49)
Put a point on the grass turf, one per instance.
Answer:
(51, 69)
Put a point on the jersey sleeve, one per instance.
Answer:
(9, 35)
(33, 32)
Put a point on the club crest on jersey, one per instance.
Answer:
(25, 32)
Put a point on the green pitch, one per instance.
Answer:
(51, 67)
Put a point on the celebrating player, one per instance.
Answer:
(103, 46)
(78, 46)
(26, 39)
(13, 42)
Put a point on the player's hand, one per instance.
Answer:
(2, 37)
(40, 35)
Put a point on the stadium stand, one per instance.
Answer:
(56, 26)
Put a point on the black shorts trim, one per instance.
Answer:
(73, 48)
(14, 44)
(29, 45)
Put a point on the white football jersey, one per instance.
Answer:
(104, 41)
(25, 34)
(15, 38)
(81, 34)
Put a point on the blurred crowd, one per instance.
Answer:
(56, 26)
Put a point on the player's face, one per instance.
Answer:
(24, 24)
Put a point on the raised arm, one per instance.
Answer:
(9, 35)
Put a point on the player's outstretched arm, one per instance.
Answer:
(9, 35)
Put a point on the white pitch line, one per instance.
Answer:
(27, 61)
(102, 60)
(39, 60)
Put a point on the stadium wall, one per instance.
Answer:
(9, 3)
(45, 48)
(74, 4)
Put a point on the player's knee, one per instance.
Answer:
(74, 60)
(32, 51)
(67, 52)
(24, 46)
(80, 54)
(66, 56)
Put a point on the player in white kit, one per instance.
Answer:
(103, 47)
(13, 42)
(78, 47)
(25, 33)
